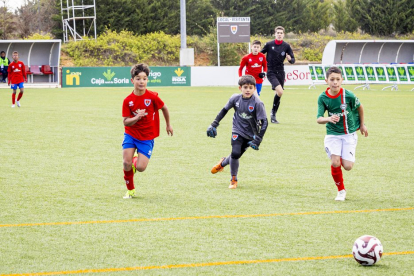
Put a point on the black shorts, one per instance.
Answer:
(276, 78)
(239, 145)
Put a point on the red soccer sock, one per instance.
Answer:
(13, 98)
(20, 96)
(129, 179)
(337, 177)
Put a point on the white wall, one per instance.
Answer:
(229, 76)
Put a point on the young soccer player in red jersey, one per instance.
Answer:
(142, 125)
(17, 75)
(256, 65)
(345, 117)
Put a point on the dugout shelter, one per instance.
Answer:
(41, 58)
(369, 52)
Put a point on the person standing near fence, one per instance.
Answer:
(276, 52)
(4, 65)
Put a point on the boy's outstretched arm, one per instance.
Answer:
(362, 127)
(211, 130)
(219, 117)
(167, 120)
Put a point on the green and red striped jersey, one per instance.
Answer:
(345, 105)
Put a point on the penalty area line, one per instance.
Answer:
(191, 265)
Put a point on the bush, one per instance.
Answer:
(124, 49)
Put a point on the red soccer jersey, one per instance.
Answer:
(148, 127)
(17, 72)
(254, 65)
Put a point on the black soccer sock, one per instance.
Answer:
(226, 161)
(276, 103)
(234, 166)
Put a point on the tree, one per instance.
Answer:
(36, 16)
(342, 19)
(383, 17)
(7, 26)
(315, 16)
(201, 16)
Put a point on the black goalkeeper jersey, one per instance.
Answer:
(276, 54)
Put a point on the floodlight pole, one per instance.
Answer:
(183, 25)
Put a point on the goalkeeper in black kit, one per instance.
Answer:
(249, 126)
(276, 52)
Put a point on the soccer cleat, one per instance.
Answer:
(233, 182)
(273, 119)
(18, 103)
(13, 105)
(218, 167)
(134, 161)
(130, 194)
(341, 195)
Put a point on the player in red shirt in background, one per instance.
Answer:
(17, 75)
(142, 125)
(254, 62)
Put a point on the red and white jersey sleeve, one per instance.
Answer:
(148, 127)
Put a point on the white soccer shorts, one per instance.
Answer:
(342, 145)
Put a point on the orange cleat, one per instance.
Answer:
(218, 168)
(233, 182)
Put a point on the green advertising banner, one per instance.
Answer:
(411, 73)
(380, 70)
(350, 73)
(360, 73)
(121, 76)
(169, 76)
(312, 72)
(392, 75)
(96, 77)
(370, 73)
(402, 74)
(319, 73)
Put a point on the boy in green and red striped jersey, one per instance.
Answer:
(345, 117)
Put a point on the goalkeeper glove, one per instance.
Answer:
(255, 143)
(211, 132)
(262, 75)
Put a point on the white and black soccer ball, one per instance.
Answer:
(367, 250)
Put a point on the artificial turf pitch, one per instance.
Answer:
(61, 188)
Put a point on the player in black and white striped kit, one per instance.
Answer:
(276, 52)
(249, 126)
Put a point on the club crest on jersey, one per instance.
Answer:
(234, 137)
(283, 53)
(147, 102)
(233, 29)
(131, 103)
(343, 106)
(251, 108)
(260, 58)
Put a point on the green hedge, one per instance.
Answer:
(160, 49)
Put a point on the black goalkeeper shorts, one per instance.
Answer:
(276, 78)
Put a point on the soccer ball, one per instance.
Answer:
(367, 250)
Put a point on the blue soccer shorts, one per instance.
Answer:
(15, 86)
(144, 147)
(258, 88)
